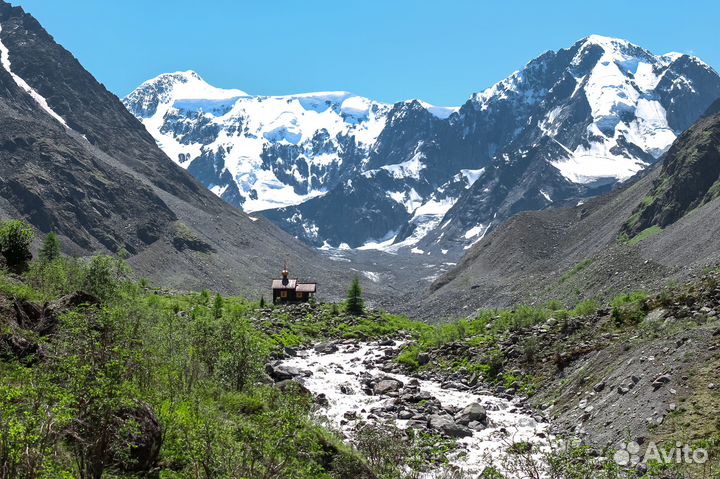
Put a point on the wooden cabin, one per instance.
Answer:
(289, 290)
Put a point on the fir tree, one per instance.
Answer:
(355, 304)
(218, 306)
(50, 250)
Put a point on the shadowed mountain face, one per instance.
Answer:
(75, 161)
(689, 178)
(663, 226)
(335, 169)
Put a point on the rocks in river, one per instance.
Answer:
(476, 425)
(445, 424)
(326, 348)
(291, 385)
(416, 396)
(405, 414)
(346, 389)
(473, 412)
(387, 385)
(282, 372)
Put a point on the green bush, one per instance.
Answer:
(529, 348)
(409, 357)
(105, 275)
(586, 308)
(629, 309)
(16, 236)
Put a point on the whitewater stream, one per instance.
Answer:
(343, 376)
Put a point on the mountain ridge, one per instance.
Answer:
(583, 118)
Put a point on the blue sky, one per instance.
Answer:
(390, 50)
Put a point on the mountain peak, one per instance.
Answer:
(168, 88)
(604, 41)
(189, 85)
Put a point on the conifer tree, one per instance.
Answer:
(50, 250)
(355, 303)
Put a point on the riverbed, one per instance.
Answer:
(344, 373)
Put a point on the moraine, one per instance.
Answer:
(359, 383)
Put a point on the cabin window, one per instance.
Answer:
(299, 294)
(283, 294)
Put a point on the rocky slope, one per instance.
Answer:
(689, 178)
(642, 370)
(569, 125)
(75, 161)
(584, 252)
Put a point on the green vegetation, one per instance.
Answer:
(15, 239)
(576, 269)
(644, 234)
(355, 304)
(87, 407)
(629, 309)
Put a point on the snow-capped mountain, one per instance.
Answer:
(337, 169)
(259, 152)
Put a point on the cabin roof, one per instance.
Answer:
(306, 287)
(284, 283)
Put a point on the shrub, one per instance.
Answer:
(104, 276)
(586, 308)
(15, 239)
(629, 308)
(409, 357)
(240, 355)
(218, 307)
(530, 348)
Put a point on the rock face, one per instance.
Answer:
(689, 178)
(334, 168)
(27, 317)
(76, 162)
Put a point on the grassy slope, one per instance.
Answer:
(194, 359)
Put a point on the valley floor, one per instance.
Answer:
(122, 380)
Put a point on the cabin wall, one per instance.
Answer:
(292, 296)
